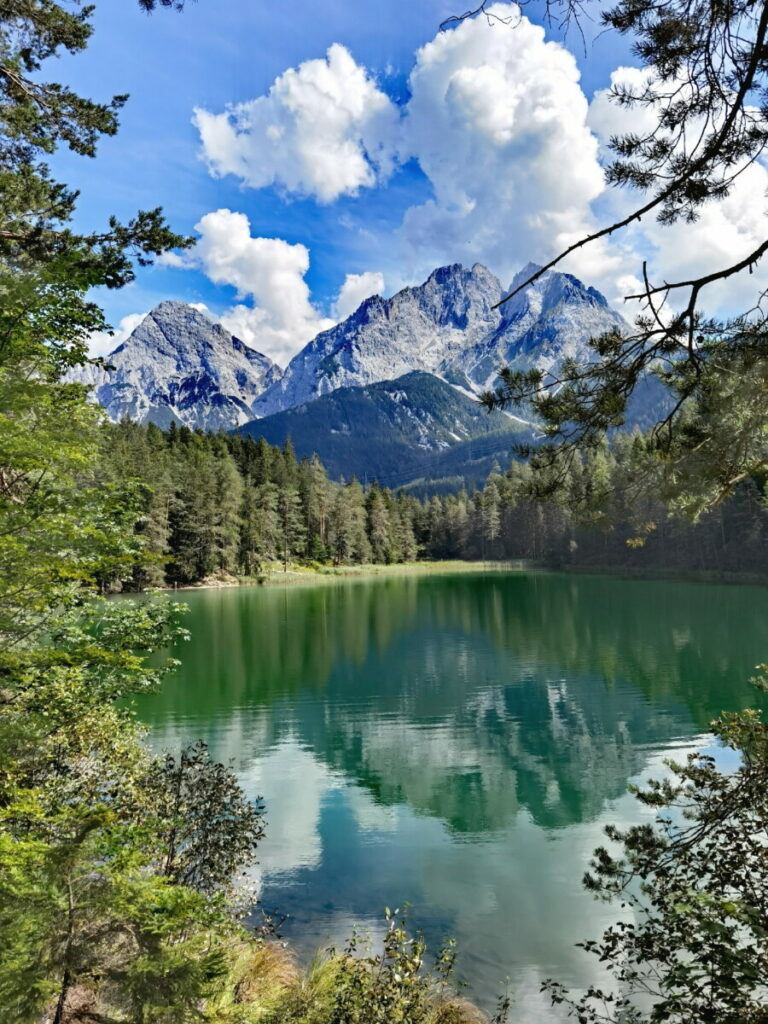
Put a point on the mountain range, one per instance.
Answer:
(390, 392)
(448, 326)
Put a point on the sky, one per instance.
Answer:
(326, 151)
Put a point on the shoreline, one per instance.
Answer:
(661, 575)
(334, 574)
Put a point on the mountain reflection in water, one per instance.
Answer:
(457, 742)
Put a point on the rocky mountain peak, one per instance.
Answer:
(425, 328)
(549, 320)
(447, 326)
(180, 366)
(524, 274)
(546, 294)
(453, 296)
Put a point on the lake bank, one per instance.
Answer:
(296, 574)
(321, 574)
(666, 575)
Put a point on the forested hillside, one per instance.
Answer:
(398, 432)
(216, 503)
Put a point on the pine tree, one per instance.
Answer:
(226, 501)
(291, 527)
(490, 514)
(378, 525)
(317, 499)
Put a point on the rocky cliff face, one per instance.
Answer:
(421, 328)
(549, 321)
(179, 367)
(448, 326)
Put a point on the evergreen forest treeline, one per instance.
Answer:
(215, 504)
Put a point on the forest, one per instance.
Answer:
(123, 871)
(218, 504)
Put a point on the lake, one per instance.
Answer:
(455, 742)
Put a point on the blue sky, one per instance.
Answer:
(486, 146)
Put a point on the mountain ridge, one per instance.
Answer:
(448, 326)
(178, 366)
(405, 372)
(414, 427)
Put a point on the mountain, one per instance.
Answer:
(397, 432)
(389, 393)
(551, 320)
(419, 328)
(448, 326)
(179, 367)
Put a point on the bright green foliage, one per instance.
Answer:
(89, 893)
(390, 986)
(84, 893)
(86, 908)
(696, 946)
(88, 900)
(36, 117)
(117, 870)
(47, 440)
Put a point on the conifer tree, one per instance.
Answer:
(291, 528)
(378, 525)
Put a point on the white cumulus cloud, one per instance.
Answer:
(723, 235)
(356, 289)
(511, 147)
(101, 343)
(512, 150)
(274, 313)
(276, 316)
(498, 122)
(324, 129)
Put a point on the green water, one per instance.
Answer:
(457, 742)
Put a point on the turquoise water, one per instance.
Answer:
(457, 742)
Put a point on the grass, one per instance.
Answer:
(313, 573)
(264, 986)
(273, 572)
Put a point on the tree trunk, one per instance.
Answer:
(66, 981)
